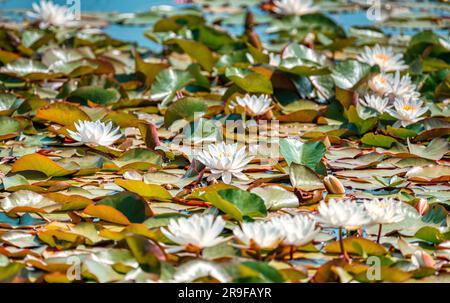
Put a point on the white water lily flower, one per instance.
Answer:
(344, 214)
(191, 271)
(224, 160)
(385, 211)
(25, 198)
(259, 233)
(294, 7)
(297, 230)
(381, 83)
(256, 105)
(384, 57)
(407, 111)
(51, 14)
(393, 86)
(198, 230)
(97, 132)
(375, 102)
(401, 87)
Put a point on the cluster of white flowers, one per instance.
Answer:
(352, 215)
(287, 230)
(392, 92)
(202, 231)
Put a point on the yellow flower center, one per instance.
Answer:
(408, 107)
(382, 57)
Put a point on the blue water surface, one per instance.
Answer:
(136, 33)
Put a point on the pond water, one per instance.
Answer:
(135, 33)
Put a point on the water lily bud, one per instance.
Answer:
(309, 40)
(333, 185)
(421, 259)
(422, 206)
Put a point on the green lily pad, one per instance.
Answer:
(249, 81)
(187, 108)
(305, 153)
(378, 140)
(94, 94)
(347, 74)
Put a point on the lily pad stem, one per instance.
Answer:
(380, 227)
(341, 244)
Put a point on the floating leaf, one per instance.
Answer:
(168, 82)
(151, 191)
(9, 127)
(429, 173)
(435, 150)
(147, 253)
(378, 140)
(276, 197)
(148, 70)
(176, 22)
(103, 273)
(249, 81)
(107, 213)
(432, 234)
(362, 125)
(37, 162)
(349, 73)
(259, 272)
(62, 113)
(186, 108)
(305, 153)
(356, 245)
(121, 208)
(237, 203)
(94, 94)
(28, 69)
(197, 51)
(9, 103)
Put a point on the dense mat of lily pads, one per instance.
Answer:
(319, 155)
